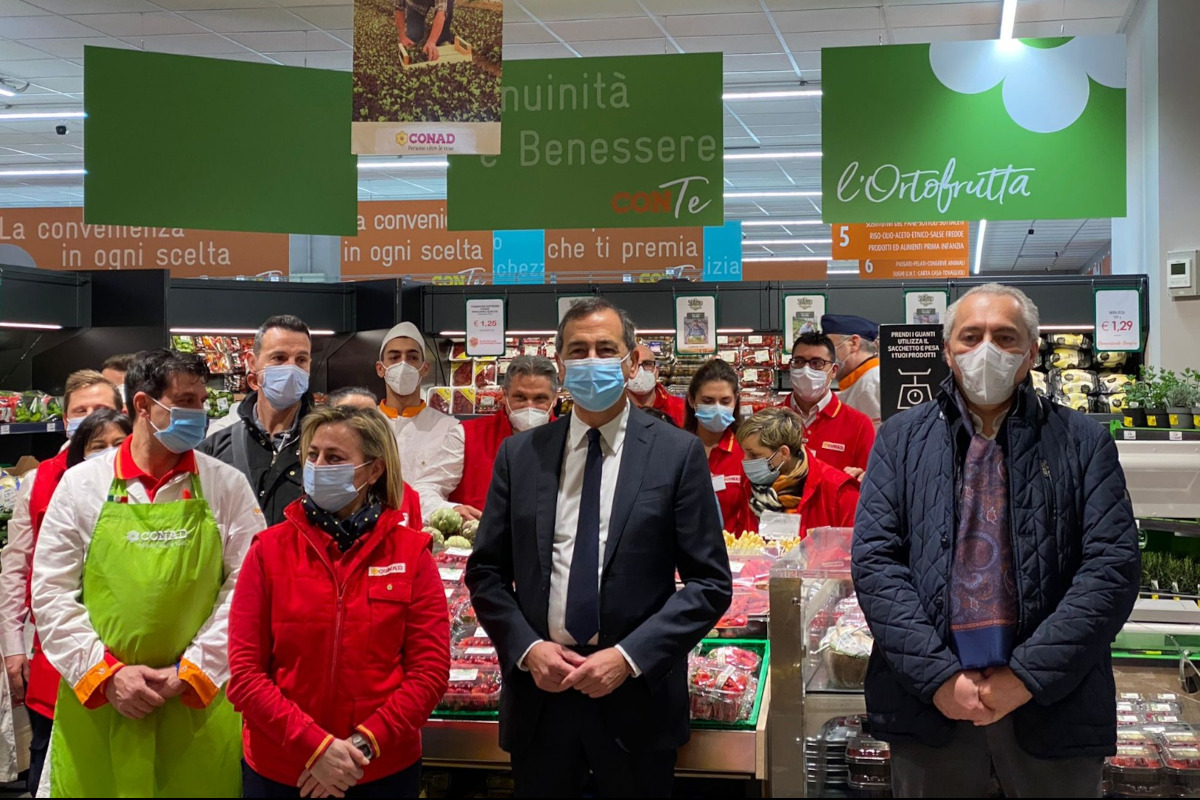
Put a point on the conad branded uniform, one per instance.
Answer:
(147, 568)
(669, 404)
(837, 434)
(731, 486)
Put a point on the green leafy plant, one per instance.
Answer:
(1181, 392)
(1153, 381)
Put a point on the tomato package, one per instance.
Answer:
(1135, 771)
(737, 657)
(472, 689)
(439, 398)
(463, 402)
(720, 693)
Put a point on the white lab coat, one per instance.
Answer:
(863, 395)
(68, 638)
(431, 456)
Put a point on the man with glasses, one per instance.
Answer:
(431, 443)
(646, 392)
(836, 433)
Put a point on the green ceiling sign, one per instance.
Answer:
(1018, 129)
(626, 142)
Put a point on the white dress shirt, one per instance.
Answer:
(566, 521)
(809, 418)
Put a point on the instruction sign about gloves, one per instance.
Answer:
(485, 327)
(696, 325)
(1118, 320)
(426, 77)
(911, 366)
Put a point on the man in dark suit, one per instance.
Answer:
(573, 577)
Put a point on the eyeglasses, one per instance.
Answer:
(819, 364)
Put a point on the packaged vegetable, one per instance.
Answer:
(1068, 358)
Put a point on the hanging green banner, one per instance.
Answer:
(625, 142)
(1015, 129)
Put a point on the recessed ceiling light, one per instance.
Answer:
(771, 95)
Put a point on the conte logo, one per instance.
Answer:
(170, 538)
(805, 303)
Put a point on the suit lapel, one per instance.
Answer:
(634, 455)
(550, 458)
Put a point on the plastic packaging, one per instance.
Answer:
(737, 657)
(1135, 771)
(1182, 770)
(472, 688)
(869, 762)
(720, 693)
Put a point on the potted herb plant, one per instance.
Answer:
(1194, 376)
(1156, 400)
(1181, 395)
(1137, 397)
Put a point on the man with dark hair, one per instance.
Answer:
(265, 445)
(132, 580)
(573, 576)
(530, 389)
(646, 392)
(113, 370)
(837, 434)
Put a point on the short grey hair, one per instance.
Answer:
(532, 367)
(595, 305)
(1029, 311)
(338, 395)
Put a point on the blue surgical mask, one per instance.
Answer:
(330, 486)
(186, 431)
(759, 470)
(715, 418)
(595, 384)
(73, 425)
(283, 385)
(99, 453)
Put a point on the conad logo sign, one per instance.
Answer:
(403, 138)
(174, 538)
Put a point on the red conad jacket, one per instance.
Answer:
(482, 438)
(324, 643)
(42, 691)
(830, 498)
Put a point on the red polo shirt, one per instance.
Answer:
(840, 436)
(667, 403)
(482, 437)
(731, 486)
(128, 470)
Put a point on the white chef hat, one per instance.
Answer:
(408, 331)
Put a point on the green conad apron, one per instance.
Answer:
(150, 580)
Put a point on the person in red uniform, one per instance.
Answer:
(339, 639)
(714, 407)
(362, 397)
(837, 434)
(35, 682)
(645, 391)
(530, 388)
(786, 478)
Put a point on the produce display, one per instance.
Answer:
(34, 406)
(826, 758)
(1074, 375)
(1158, 755)
(472, 689)
(10, 486)
(385, 91)
(722, 685)
(869, 762)
(219, 402)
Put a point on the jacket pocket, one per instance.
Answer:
(388, 600)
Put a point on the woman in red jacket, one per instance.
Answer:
(787, 479)
(714, 408)
(339, 637)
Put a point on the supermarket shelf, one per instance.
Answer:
(710, 753)
(1156, 435)
(14, 428)
(1180, 527)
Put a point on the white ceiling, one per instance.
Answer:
(768, 44)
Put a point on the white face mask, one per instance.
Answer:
(529, 417)
(989, 374)
(402, 378)
(641, 383)
(809, 384)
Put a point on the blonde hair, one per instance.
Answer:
(377, 440)
(86, 379)
(775, 428)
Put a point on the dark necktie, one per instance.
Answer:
(583, 587)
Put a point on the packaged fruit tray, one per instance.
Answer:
(759, 647)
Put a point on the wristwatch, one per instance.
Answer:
(364, 747)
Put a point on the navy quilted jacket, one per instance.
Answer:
(1075, 545)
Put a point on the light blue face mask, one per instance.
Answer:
(715, 417)
(186, 431)
(283, 385)
(595, 384)
(73, 425)
(100, 453)
(331, 486)
(759, 471)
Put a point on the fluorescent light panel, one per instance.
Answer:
(6, 92)
(370, 165)
(39, 173)
(765, 242)
(31, 326)
(979, 246)
(747, 195)
(769, 259)
(1008, 18)
(749, 223)
(1082, 326)
(20, 115)
(771, 95)
(767, 155)
(235, 331)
